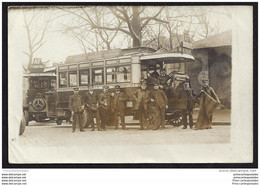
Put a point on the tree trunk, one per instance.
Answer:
(170, 40)
(136, 26)
(108, 45)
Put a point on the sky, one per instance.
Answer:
(57, 45)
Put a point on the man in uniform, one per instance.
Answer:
(76, 106)
(119, 107)
(105, 107)
(188, 99)
(163, 78)
(161, 103)
(142, 97)
(92, 106)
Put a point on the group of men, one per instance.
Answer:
(106, 107)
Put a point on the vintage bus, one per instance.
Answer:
(125, 67)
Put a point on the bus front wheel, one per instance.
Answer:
(26, 116)
(22, 126)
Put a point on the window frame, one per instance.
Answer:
(111, 73)
(117, 72)
(66, 73)
(92, 76)
(73, 72)
(130, 80)
(80, 83)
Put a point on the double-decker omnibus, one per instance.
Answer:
(125, 67)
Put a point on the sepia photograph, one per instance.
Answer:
(132, 84)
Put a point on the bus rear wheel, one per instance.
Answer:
(59, 121)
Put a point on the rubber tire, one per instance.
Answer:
(22, 126)
(26, 116)
(151, 119)
(59, 122)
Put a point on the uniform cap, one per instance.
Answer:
(106, 87)
(117, 87)
(75, 88)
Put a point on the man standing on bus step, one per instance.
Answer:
(150, 81)
(142, 97)
(76, 106)
(105, 107)
(161, 103)
(119, 100)
(92, 106)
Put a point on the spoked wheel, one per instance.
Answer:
(177, 119)
(150, 119)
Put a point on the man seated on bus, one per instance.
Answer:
(155, 74)
(76, 106)
(163, 79)
(92, 106)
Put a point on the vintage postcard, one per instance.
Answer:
(130, 84)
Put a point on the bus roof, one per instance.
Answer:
(39, 74)
(107, 54)
(168, 57)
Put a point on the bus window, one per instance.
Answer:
(97, 76)
(63, 79)
(111, 75)
(179, 67)
(73, 78)
(84, 77)
(124, 74)
(34, 83)
(44, 84)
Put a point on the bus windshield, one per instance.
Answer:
(39, 82)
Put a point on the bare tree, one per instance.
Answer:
(208, 27)
(180, 25)
(80, 26)
(130, 20)
(35, 30)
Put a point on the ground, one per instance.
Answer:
(47, 142)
